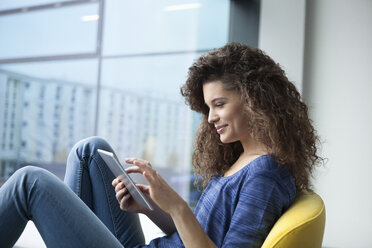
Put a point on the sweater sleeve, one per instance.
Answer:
(261, 202)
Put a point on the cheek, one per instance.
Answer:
(241, 122)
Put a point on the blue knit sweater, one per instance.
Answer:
(240, 210)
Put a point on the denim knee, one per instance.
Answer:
(29, 176)
(80, 158)
(30, 172)
(93, 141)
(88, 146)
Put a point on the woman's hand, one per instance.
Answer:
(160, 192)
(188, 227)
(125, 200)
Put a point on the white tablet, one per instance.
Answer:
(119, 171)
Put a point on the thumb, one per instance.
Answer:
(143, 188)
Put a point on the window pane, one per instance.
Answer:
(143, 115)
(156, 26)
(49, 32)
(42, 116)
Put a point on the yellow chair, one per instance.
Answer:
(301, 226)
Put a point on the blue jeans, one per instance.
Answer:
(61, 217)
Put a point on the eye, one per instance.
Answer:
(220, 104)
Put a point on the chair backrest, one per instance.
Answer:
(302, 225)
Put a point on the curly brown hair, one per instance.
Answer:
(277, 116)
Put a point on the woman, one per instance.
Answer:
(255, 147)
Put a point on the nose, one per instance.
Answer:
(212, 117)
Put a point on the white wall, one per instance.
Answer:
(338, 88)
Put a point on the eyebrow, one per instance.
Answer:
(218, 98)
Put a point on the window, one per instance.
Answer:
(67, 87)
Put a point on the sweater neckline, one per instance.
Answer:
(244, 168)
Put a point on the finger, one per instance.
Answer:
(142, 162)
(115, 181)
(138, 162)
(149, 178)
(129, 160)
(134, 169)
(143, 188)
(119, 186)
(119, 195)
(140, 167)
(124, 200)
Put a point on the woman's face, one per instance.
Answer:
(226, 112)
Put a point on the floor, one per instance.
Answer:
(31, 238)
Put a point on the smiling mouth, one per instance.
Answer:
(220, 129)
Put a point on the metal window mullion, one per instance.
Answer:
(99, 55)
(49, 58)
(45, 7)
